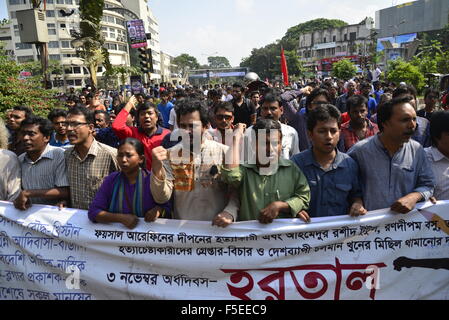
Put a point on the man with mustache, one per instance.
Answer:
(271, 109)
(149, 132)
(190, 171)
(395, 172)
(44, 174)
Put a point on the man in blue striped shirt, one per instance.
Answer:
(395, 172)
(44, 174)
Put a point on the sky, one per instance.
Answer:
(232, 28)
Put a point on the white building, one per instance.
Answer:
(320, 49)
(140, 7)
(59, 46)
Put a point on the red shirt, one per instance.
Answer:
(350, 138)
(149, 142)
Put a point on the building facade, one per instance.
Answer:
(75, 75)
(412, 17)
(318, 50)
(141, 8)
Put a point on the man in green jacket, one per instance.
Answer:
(273, 187)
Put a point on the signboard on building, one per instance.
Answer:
(136, 32)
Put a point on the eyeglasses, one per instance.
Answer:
(223, 117)
(75, 125)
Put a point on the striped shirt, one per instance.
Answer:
(86, 176)
(10, 177)
(47, 172)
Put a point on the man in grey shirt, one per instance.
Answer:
(9, 167)
(44, 176)
(395, 172)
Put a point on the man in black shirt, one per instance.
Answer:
(244, 110)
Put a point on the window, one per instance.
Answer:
(100, 69)
(122, 48)
(346, 37)
(50, 13)
(51, 29)
(54, 57)
(12, 14)
(325, 40)
(59, 1)
(53, 44)
(62, 26)
(12, 2)
(66, 45)
(352, 36)
(76, 69)
(68, 1)
(334, 38)
(111, 19)
(23, 59)
(50, 1)
(23, 46)
(70, 82)
(78, 82)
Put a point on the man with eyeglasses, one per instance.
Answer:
(88, 161)
(59, 136)
(224, 117)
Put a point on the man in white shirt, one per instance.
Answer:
(271, 108)
(438, 154)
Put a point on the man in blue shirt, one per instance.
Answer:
(165, 107)
(365, 90)
(395, 172)
(332, 175)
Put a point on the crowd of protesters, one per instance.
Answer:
(230, 153)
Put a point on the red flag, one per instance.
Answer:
(284, 68)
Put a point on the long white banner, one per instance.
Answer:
(46, 254)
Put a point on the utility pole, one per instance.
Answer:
(42, 48)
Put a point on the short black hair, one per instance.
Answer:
(385, 110)
(238, 85)
(267, 125)
(355, 101)
(315, 93)
(190, 105)
(227, 106)
(107, 117)
(25, 109)
(80, 111)
(323, 112)
(402, 90)
(272, 97)
(147, 106)
(365, 85)
(57, 113)
(431, 91)
(73, 98)
(439, 123)
(45, 126)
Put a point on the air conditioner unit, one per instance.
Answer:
(32, 26)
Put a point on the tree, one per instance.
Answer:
(28, 92)
(344, 69)
(313, 25)
(122, 72)
(265, 61)
(218, 62)
(185, 61)
(91, 38)
(401, 71)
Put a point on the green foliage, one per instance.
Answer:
(185, 61)
(28, 92)
(266, 61)
(312, 25)
(344, 69)
(401, 71)
(218, 62)
(92, 51)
